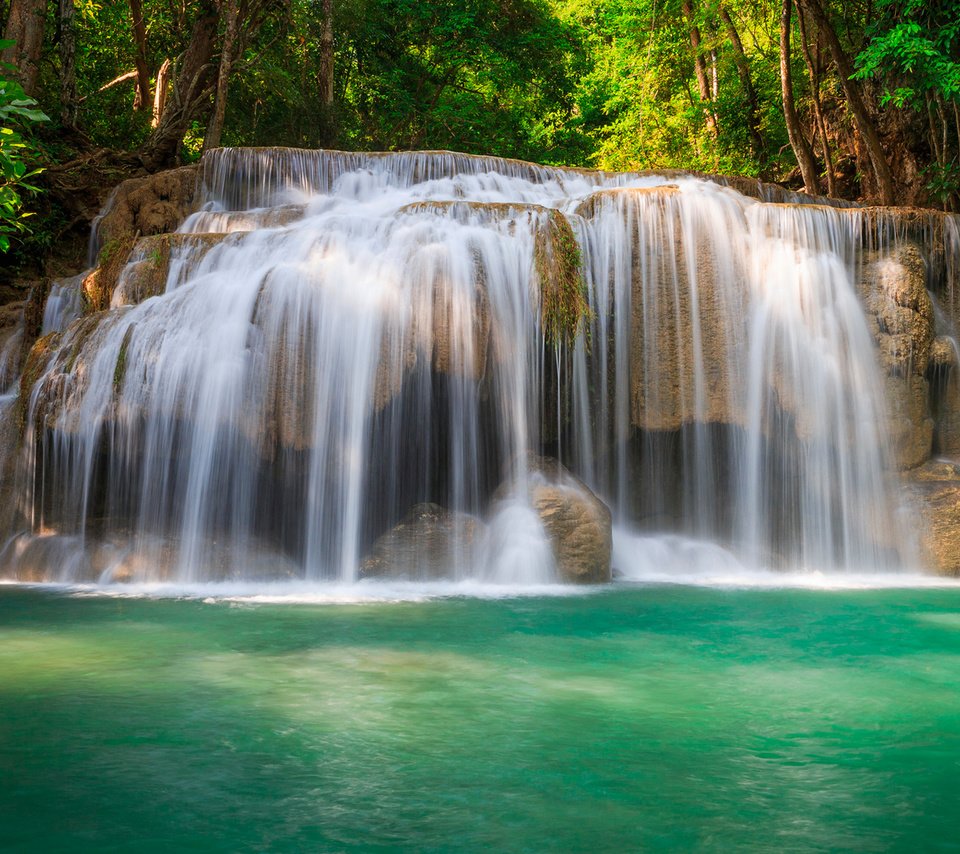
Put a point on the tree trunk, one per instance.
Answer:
(215, 127)
(326, 56)
(799, 144)
(743, 72)
(142, 98)
(191, 87)
(865, 127)
(700, 67)
(68, 65)
(160, 92)
(25, 25)
(814, 75)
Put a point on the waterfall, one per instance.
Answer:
(337, 338)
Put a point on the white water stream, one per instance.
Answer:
(367, 337)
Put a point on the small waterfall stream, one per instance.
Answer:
(341, 337)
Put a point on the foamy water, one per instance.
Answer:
(369, 335)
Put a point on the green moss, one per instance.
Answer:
(563, 290)
(33, 369)
(121, 367)
(155, 257)
(99, 286)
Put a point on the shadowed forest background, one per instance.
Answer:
(859, 100)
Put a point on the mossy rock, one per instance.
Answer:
(148, 267)
(154, 204)
(564, 308)
(99, 285)
(36, 364)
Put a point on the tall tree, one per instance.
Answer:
(746, 80)
(25, 25)
(230, 13)
(813, 71)
(160, 92)
(864, 124)
(700, 68)
(142, 98)
(68, 64)
(190, 90)
(798, 142)
(326, 56)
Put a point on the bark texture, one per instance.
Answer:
(192, 86)
(798, 142)
(215, 125)
(861, 118)
(25, 27)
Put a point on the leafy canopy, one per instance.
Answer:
(16, 112)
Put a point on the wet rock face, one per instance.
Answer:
(425, 546)
(678, 288)
(151, 205)
(148, 268)
(935, 489)
(117, 560)
(577, 523)
(901, 318)
(945, 388)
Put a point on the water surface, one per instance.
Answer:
(640, 717)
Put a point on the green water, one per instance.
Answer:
(650, 718)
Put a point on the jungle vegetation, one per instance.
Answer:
(854, 99)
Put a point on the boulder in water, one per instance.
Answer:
(428, 544)
(577, 523)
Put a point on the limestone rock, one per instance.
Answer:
(577, 523)
(943, 352)
(431, 542)
(901, 317)
(11, 337)
(945, 385)
(935, 487)
(148, 268)
(50, 556)
(909, 424)
(675, 290)
(948, 413)
(99, 284)
(151, 205)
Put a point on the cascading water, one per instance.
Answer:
(366, 334)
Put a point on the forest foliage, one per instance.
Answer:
(855, 99)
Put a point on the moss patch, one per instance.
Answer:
(34, 368)
(563, 291)
(99, 286)
(120, 368)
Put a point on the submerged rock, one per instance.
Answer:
(428, 544)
